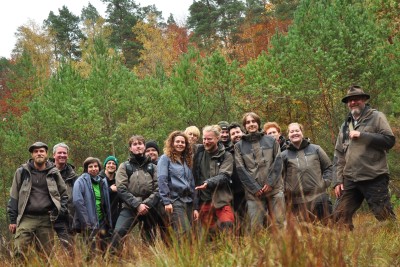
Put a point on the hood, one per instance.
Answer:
(304, 143)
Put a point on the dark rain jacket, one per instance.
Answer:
(86, 217)
(140, 187)
(258, 162)
(363, 158)
(21, 188)
(218, 190)
(307, 172)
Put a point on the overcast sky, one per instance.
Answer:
(15, 13)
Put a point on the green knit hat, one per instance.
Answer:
(110, 158)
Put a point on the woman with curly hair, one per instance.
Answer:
(176, 182)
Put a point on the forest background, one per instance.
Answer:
(93, 81)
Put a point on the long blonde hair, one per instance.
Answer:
(169, 150)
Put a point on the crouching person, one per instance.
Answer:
(136, 181)
(92, 205)
(212, 170)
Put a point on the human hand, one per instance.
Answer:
(195, 215)
(143, 209)
(12, 228)
(354, 134)
(266, 188)
(201, 187)
(169, 209)
(338, 190)
(113, 188)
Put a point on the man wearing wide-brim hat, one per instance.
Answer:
(360, 158)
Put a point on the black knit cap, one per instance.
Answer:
(152, 144)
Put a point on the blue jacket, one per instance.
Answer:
(85, 204)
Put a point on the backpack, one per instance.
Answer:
(24, 176)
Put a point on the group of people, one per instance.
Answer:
(240, 178)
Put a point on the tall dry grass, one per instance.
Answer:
(372, 243)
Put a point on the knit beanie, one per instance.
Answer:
(153, 144)
(110, 158)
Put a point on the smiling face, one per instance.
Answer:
(111, 167)
(152, 153)
(61, 156)
(93, 169)
(210, 141)
(251, 124)
(224, 136)
(356, 104)
(193, 138)
(295, 134)
(236, 134)
(179, 144)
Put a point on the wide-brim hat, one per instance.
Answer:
(355, 90)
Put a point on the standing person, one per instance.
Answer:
(110, 165)
(152, 151)
(136, 181)
(239, 200)
(92, 205)
(212, 170)
(63, 224)
(176, 182)
(272, 128)
(193, 134)
(38, 196)
(224, 137)
(307, 173)
(362, 169)
(259, 166)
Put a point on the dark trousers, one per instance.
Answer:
(375, 192)
(61, 228)
(320, 209)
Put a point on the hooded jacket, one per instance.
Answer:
(307, 172)
(115, 201)
(141, 187)
(363, 158)
(258, 162)
(218, 180)
(84, 200)
(21, 188)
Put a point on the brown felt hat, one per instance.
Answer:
(355, 90)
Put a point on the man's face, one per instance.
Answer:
(356, 104)
(152, 153)
(236, 134)
(224, 136)
(210, 141)
(137, 147)
(179, 144)
(251, 124)
(111, 166)
(61, 156)
(93, 169)
(39, 156)
(273, 132)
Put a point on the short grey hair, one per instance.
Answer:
(60, 145)
(216, 129)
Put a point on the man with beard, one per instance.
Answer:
(110, 167)
(38, 196)
(259, 166)
(361, 164)
(212, 170)
(239, 201)
(63, 224)
(225, 140)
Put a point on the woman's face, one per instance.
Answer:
(93, 169)
(179, 144)
(295, 134)
(193, 138)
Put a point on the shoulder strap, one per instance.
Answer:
(130, 168)
(24, 176)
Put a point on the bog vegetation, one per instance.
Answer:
(93, 81)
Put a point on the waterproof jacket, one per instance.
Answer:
(307, 172)
(218, 190)
(115, 201)
(175, 181)
(86, 217)
(363, 158)
(236, 184)
(141, 187)
(69, 176)
(258, 162)
(21, 188)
